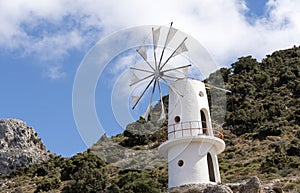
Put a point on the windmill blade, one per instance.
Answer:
(163, 114)
(171, 87)
(147, 112)
(134, 77)
(135, 99)
(171, 77)
(143, 93)
(153, 90)
(149, 108)
(142, 70)
(171, 33)
(180, 50)
(161, 67)
(177, 68)
(208, 86)
(155, 36)
(145, 58)
(184, 71)
(142, 51)
(141, 80)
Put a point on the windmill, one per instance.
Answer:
(192, 144)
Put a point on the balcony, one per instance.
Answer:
(192, 128)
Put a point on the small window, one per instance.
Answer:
(203, 121)
(180, 163)
(201, 94)
(177, 119)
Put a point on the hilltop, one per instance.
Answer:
(262, 136)
(19, 145)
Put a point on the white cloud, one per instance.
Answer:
(54, 72)
(122, 64)
(50, 29)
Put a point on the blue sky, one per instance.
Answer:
(43, 43)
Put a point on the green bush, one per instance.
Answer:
(269, 131)
(86, 172)
(41, 171)
(87, 180)
(294, 148)
(76, 163)
(278, 161)
(48, 184)
(132, 182)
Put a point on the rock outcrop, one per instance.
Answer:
(201, 188)
(250, 185)
(19, 145)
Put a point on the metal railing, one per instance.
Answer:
(192, 128)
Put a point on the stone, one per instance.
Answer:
(250, 185)
(201, 188)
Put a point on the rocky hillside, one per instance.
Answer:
(262, 121)
(262, 136)
(19, 145)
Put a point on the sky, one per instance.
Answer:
(43, 43)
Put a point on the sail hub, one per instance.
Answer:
(158, 74)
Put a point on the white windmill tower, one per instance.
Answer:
(193, 145)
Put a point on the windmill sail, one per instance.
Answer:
(147, 112)
(140, 80)
(134, 78)
(139, 98)
(135, 99)
(183, 71)
(156, 34)
(208, 86)
(170, 35)
(180, 49)
(163, 115)
(149, 108)
(143, 52)
(155, 37)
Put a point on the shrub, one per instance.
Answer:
(294, 148)
(48, 184)
(278, 161)
(132, 182)
(87, 180)
(41, 171)
(263, 132)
